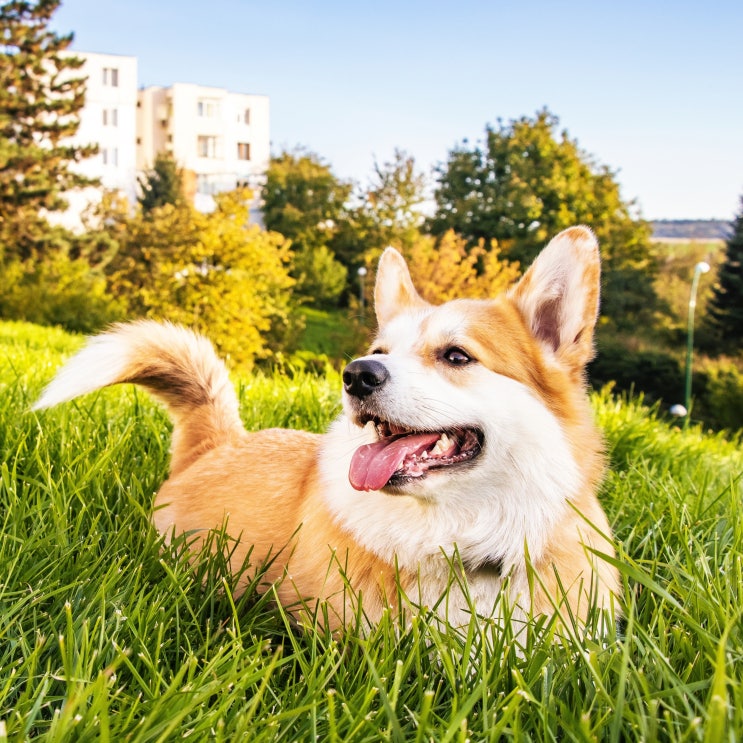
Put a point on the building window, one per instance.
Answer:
(110, 117)
(246, 116)
(207, 185)
(207, 108)
(206, 146)
(110, 156)
(111, 76)
(243, 150)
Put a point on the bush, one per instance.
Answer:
(717, 385)
(59, 291)
(657, 374)
(320, 277)
(718, 398)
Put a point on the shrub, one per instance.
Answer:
(718, 399)
(59, 291)
(657, 374)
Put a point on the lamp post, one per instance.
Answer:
(362, 275)
(699, 269)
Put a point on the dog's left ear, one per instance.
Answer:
(394, 291)
(559, 296)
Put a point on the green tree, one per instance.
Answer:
(162, 184)
(40, 100)
(392, 203)
(304, 201)
(527, 182)
(726, 305)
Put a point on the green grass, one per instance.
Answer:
(104, 635)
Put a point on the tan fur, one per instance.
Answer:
(277, 514)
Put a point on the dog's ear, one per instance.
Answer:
(394, 291)
(559, 295)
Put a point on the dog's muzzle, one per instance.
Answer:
(363, 377)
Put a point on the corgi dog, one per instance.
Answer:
(466, 445)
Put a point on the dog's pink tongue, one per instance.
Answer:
(373, 464)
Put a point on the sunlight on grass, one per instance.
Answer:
(106, 636)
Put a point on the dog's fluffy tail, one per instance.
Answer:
(177, 366)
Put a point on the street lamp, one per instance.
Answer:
(362, 275)
(699, 269)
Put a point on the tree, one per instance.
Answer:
(304, 201)
(40, 99)
(726, 305)
(213, 272)
(392, 203)
(525, 184)
(444, 268)
(162, 184)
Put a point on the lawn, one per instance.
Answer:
(105, 635)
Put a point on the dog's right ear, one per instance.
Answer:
(394, 291)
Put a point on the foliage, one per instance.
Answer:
(445, 269)
(110, 635)
(329, 332)
(212, 272)
(676, 262)
(320, 277)
(389, 209)
(162, 184)
(726, 305)
(718, 393)
(524, 185)
(59, 290)
(305, 202)
(657, 375)
(40, 99)
(654, 373)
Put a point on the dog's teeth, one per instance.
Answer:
(441, 446)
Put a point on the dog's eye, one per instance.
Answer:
(456, 356)
(378, 350)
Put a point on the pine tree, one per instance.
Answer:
(163, 184)
(726, 305)
(40, 100)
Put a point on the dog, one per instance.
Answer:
(466, 448)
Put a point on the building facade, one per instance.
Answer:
(108, 119)
(220, 139)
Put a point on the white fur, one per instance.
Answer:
(101, 362)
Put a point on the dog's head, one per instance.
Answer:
(468, 388)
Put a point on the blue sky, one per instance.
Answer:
(652, 89)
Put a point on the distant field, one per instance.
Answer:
(106, 635)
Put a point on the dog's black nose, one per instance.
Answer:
(364, 376)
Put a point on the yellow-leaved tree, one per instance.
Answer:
(215, 273)
(445, 268)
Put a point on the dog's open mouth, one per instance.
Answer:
(401, 454)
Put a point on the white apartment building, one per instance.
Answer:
(108, 119)
(220, 139)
